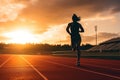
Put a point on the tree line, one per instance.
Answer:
(38, 47)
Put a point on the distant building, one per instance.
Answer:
(112, 45)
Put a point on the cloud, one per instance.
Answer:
(9, 10)
(55, 12)
(49, 15)
(105, 35)
(55, 35)
(102, 36)
(58, 35)
(98, 18)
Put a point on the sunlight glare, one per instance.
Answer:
(21, 36)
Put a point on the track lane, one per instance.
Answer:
(15, 68)
(3, 58)
(2, 64)
(44, 77)
(94, 67)
(34, 67)
(50, 61)
(113, 64)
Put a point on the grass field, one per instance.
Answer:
(85, 54)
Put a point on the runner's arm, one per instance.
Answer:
(67, 29)
(81, 28)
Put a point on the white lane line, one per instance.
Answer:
(45, 78)
(111, 68)
(99, 73)
(103, 67)
(5, 61)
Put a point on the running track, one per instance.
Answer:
(39, 67)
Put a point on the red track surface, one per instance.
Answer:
(37, 67)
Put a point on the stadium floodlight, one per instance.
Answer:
(96, 33)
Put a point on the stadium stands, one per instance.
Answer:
(109, 45)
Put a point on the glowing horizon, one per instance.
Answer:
(46, 22)
(20, 36)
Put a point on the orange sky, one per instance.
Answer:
(45, 22)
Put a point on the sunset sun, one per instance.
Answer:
(21, 36)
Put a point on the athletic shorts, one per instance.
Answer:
(75, 40)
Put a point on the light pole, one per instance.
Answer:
(96, 33)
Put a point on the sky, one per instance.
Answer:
(45, 21)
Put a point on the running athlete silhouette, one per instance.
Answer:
(73, 29)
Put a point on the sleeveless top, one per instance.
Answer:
(74, 27)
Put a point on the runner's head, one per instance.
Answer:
(75, 17)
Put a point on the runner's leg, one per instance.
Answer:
(78, 52)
